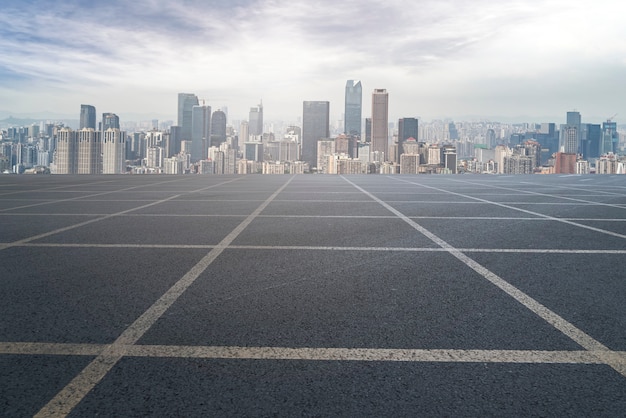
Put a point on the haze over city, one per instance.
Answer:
(521, 60)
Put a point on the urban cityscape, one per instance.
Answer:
(204, 141)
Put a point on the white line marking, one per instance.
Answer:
(552, 218)
(90, 221)
(63, 403)
(323, 248)
(81, 197)
(320, 354)
(567, 328)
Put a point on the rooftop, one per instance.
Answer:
(312, 295)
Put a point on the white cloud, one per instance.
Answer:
(434, 57)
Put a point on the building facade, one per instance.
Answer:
(315, 126)
(380, 123)
(353, 108)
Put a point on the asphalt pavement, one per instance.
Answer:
(312, 295)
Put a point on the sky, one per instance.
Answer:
(530, 60)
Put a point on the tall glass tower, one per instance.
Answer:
(110, 120)
(186, 102)
(353, 106)
(87, 116)
(407, 128)
(570, 142)
(255, 121)
(200, 132)
(315, 126)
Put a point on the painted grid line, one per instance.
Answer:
(71, 199)
(98, 219)
(552, 218)
(318, 354)
(63, 403)
(323, 248)
(558, 322)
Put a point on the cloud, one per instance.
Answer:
(445, 53)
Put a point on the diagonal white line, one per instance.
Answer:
(552, 218)
(90, 221)
(567, 328)
(48, 202)
(63, 403)
(549, 195)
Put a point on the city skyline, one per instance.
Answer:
(447, 59)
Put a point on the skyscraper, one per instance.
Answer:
(380, 123)
(610, 137)
(353, 105)
(218, 128)
(244, 132)
(255, 121)
(200, 132)
(315, 126)
(113, 151)
(65, 154)
(186, 102)
(570, 142)
(407, 128)
(88, 151)
(110, 120)
(87, 116)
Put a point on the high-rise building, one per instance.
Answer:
(570, 142)
(380, 122)
(353, 106)
(175, 138)
(407, 128)
(186, 102)
(315, 126)
(218, 128)
(255, 121)
(87, 116)
(591, 140)
(88, 151)
(110, 120)
(610, 137)
(368, 130)
(244, 132)
(65, 154)
(200, 132)
(113, 151)
(325, 149)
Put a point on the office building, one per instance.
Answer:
(113, 151)
(409, 163)
(255, 120)
(353, 106)
(218, 128)
(380, 123)
(186, 102)
(610, 137)
(200, 132)
(570, 141)
(315, 126)
(65, 154)
(325, 149)
(244, 132)
(110, 120)
(407, 128)
(88, 151)
(253, 151)
(87, 116)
